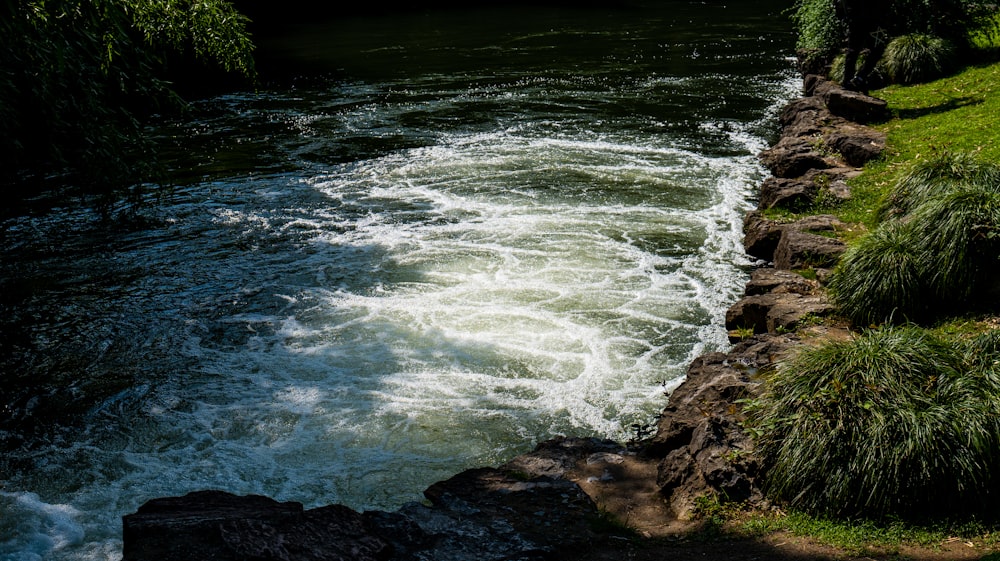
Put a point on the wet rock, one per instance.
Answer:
(220, 526)
(704, 450)
(760, 235)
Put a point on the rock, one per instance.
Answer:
(760, 235)
(854, 106)
(793, 156)
(786, 193)
(699, 437)
(857, 145)
(798, 249)
(767, 280)
(220, 526)
(775, 312)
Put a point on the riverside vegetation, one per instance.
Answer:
(898, 425)
(80, 80)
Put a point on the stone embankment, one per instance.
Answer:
(555, 502)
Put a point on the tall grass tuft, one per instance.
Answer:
(893, 422)
(934, 176)
(918, 57)
(883, 277)
(937, 250)
(960, 230)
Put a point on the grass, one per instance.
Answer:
(853, 537)
(956, 114)
(896, 421)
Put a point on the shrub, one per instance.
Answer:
(891, 422)
(78, 78)
(937, 251)
(883, 277)
(820, 32)
(959, 232)
(934, 176)
(918, 57)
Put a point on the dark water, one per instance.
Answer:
(425, 243)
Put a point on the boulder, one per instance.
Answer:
(699, 438)
(857, 145)
(853, 106)
(221, 526)
(775, 312)
(760, 235)
(765, 280)
(793, 156)
(786, 193)
(798, 249)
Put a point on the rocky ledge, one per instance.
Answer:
(555, 502)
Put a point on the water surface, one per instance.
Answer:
(426, 243)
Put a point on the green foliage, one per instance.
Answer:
(881, 277)
(918, 57)
(937, 251)
(951, 23)
(895, 421)
(820, 32)
(954, 20)
(211, 30)
(79, 77)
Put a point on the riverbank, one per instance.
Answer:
(590, 499)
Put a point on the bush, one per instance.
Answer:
(937, 252)
(959, 231)
(820, 32)
(895, 421)
(913, 58)
(79, 77)
(883, 277)
(935, 176)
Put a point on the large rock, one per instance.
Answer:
(793, 156)
(699, 438)
(857, 145)
(775, 312)
(787, 193)
(798, 249)
(760, 235)
(223, 527)
(854, 106)
(765, 280)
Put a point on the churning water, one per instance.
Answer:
(462, 234)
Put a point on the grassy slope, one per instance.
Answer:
(958, 113)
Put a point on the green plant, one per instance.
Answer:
(918, 57)
(934, 176)
(79, 78)
(820, 32)
(893, 421)
(882, 277)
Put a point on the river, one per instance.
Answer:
(426, 242)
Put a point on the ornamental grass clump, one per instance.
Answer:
(935, 176)
(918, 57)
(893, 422)
(936, 252)
(883, 276)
